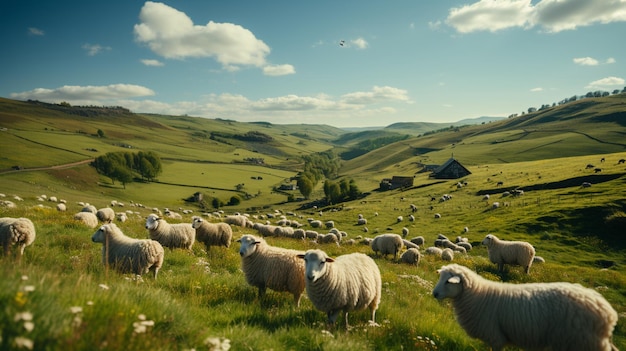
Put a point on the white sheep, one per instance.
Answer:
(433, 250)
(558, 316)
(89, 208)
(87, 218)
(388, 243)
(212, 234)
(105, 215)
(16, 231)
(61, 207)
(411, 256)
(179, 235)
(418, 240)
(447, 254)
(128, 255)
(503, 252)
(409, 244)
(405, 232)
(347, 283)
(267, 266)
(239, 220)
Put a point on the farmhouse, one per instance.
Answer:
(451, 169)
(396, 182)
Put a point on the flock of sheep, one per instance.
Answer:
(560, 316)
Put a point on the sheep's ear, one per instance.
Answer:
(300, 256)
(238, 240)
(257, 242)
(454, 279)
(328, 259)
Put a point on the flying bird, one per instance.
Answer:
(342, 42)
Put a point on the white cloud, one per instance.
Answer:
(93, 50)
(172, 34)
(606, 83)
(81, 95)
(378, 94)
(360, 43)
(35, 31)
(586, 61)
(551, 15)
(154, 63)
(610, 60)
(536, 90)
(278, 70)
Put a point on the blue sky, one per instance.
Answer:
(346, 63)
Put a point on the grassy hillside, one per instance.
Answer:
(201, 297)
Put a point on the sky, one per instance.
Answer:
(347, 63)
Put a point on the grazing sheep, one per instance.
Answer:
(411, 256)
(409, 244)
(399, 219)
(418, 240)
(121, 217)
(87, 218)
(283, 232)
(388, 243)
(557, 316)
(16, 231)
(346, 283)
(405, 232)
(170, 235)
(61, 207)
(267, 266)
(315, 223)
(127, 254)
(503, 252)
(239, 220)
(329, 238)
(212, 234)
(361, 221)
(329, 224)
(433, 251)
(311, 234)
(105, 215)
(447, 254)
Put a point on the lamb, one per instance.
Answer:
(347, 283)
(212, 234)
(16, 231)
(179, 235)
(267, 266)
(558, 316)
(411, 256)
(127, 254)
(388, 243)
(87, 218)
(105, 215)
(503, 252)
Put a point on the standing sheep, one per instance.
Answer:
(170, 235)
(503, 252)
(347, 283)
(212, 234)
(388, 243)
(87, 218)
(16, 231)
(557, 316)
(127, 254)
(267, 266)
(447, 254)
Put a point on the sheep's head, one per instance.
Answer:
(100, 234)
(489, 239)
(248, 245)
(315, 264)
(152, 221)
(197, 222)
(452, 281)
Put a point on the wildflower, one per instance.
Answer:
(20, 299)
(23, 316)
(24, 343)
(24, 277)
(89, 303)
(104, 287)
(76, 309)
(28, 288)
(29, 326)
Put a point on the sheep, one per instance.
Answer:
(127, 254)
(89, 208)
(409, 244)
(388, 243)
(503, 252)
(399, 219)
(315, 223)
(121, 217)
(267, 266)
(405, 232)
(329, 224)
(239, 220)
(87, 218)
(212, 234)
(411, 256)
(105, 215)
(179, 235)
(433, 251)
(327, 238)
(447, 254)
(558, 316)
(346, 283)
(418, 240)
(16, 231)
(61, 207)
(283, 232)
(361, 221)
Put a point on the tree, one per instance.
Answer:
(100, 133)
(234, 200)
(305, 185)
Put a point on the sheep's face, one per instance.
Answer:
(99, 235)
(487, 240)
(450, 285)
(152, 222)
(315, 264)
(248, 245)
(197, 222)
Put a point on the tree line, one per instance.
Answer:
(325, 165)
(125, 167)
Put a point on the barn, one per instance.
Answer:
(396, 182)
(451, 169)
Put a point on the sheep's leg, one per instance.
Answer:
(501, 267)
(261, 291)
(332, 316)
(296, 298)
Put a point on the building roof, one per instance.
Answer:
(451, 169)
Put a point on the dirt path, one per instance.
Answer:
(63, 166)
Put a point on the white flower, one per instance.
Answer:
(76, 309)
(104, 287)
(23, 316)
(22, 342)
(28, 288)
(217, 344)
(29, 326)
(24, 277)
